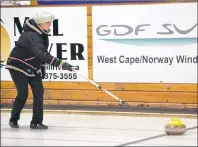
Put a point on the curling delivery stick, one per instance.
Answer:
(98, 86)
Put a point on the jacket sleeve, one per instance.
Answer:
(37, 47)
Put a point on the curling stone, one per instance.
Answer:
(175, 127)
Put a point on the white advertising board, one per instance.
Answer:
(15, 3)
(145, 43)
(68, 37)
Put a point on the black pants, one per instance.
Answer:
(21, 82)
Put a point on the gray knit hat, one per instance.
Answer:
(43, 17)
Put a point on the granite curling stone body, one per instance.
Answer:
(175, 127)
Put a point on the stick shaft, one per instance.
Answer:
(98, 86)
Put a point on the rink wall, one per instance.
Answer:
(179, 90)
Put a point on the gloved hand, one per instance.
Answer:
(67, 66)
(43, 71)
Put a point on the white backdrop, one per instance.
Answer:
(128, 35)
(72, 23)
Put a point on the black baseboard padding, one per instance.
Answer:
(114, 109)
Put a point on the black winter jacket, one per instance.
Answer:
(30, 51)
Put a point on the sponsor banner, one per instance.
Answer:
(67, 40)
(145, 43)
(59, 2)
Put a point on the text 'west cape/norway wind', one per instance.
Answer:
(147, 59)
(170, 29)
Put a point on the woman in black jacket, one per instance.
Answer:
(25, 67)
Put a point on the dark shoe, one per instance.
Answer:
(38, 126)
(14, 124)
